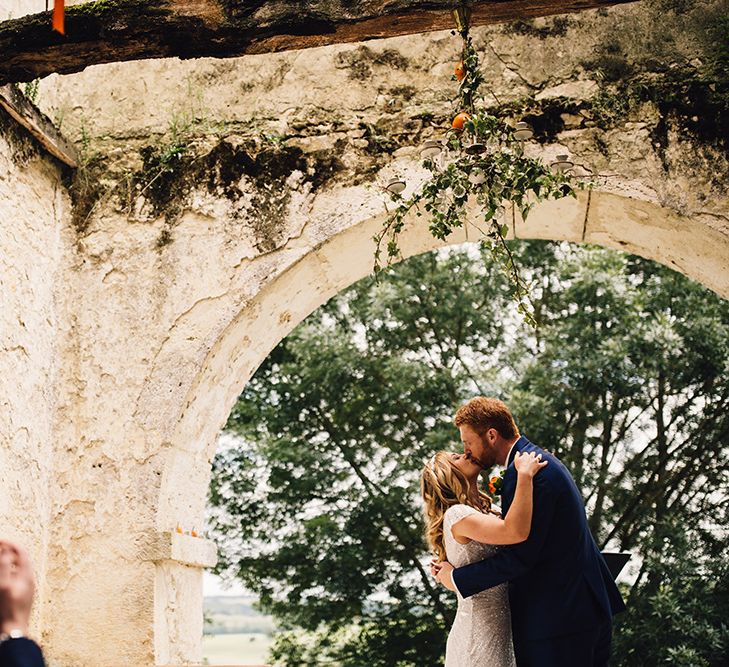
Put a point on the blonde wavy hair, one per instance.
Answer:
(442, 485)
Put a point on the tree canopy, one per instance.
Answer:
(317, 508)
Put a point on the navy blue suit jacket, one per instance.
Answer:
(558, 581)
(20, 653)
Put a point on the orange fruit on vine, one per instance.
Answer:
(460, 120)
(460, 71)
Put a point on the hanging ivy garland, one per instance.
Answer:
(482, 157)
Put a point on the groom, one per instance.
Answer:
(561, 593)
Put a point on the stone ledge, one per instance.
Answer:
(182, 549)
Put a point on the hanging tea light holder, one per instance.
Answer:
(395, 186)
(475, 148)
(523, 131)
(562, 164)
(431, 149)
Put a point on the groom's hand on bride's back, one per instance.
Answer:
(442, 572)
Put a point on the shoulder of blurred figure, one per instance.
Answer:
(20, 652)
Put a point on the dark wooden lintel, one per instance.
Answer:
(120, 30)
(35, 122)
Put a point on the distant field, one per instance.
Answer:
(235, 614)
(236, 649)
(239, 624)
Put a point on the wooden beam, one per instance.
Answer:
(118, 30)
(39, 125)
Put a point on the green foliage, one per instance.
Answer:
(316, 509)
(225, 615)
(207, 622)
(30, 90)
(161, 164)
(97, 8)
(339, 420)
(678, 614)
(720, 35)
(89, 185)
(386, 641)
(484, 162)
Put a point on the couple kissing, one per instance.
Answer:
(533, 588)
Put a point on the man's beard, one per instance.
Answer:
(477, 461)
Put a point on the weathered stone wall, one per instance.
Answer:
(620, 86)
(32, 209)
(221, 201)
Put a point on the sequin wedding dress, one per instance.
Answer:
(481, 632)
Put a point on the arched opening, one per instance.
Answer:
(609, 349)
(313, 276)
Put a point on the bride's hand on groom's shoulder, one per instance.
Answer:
(528, 463)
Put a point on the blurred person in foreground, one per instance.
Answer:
(17, 586)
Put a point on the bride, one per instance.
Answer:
(462, 528)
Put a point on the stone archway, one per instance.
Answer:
(152, 447)
(134, 327)
(336, 261)
(333, 263)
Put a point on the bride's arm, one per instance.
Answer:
(515, 527)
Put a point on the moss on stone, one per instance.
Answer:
(24, 148)
(164, 238)
(359, 62)
(546, 118)
(379, 141)
(96, 8)
(170, 173)
(87, 187)
(405, 93)
(610, 62)
(555, 27)
(698, 106)
(164, 178)
(101, 8)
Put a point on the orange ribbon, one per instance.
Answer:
(58, 15)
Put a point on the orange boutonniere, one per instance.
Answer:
(495, 484)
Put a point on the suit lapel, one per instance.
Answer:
(518, 446)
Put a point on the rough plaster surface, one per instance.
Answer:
(31, 211)
(141, 329)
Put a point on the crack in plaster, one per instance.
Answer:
(711, 214)
(511, 67)
(175, 324)
(17, 348)
(295, 236)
